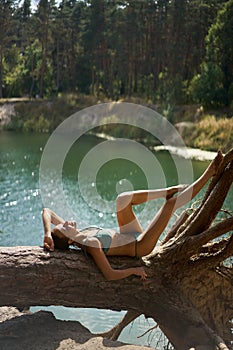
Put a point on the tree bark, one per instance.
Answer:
(188, 291)
(30, 276)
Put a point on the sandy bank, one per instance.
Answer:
(187, 152)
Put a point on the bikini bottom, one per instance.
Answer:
(136, 236)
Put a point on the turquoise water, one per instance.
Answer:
(89, 198)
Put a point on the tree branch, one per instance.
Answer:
(193, 222)
(208, 211)
(226, 160)
(178, 223)
(184, 248)
(115, 332)
(193, 244)
(222, 250)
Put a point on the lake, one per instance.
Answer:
(92, 175)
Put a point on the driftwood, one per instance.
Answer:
(188, 292)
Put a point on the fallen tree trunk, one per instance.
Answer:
(188, 292)
(29, 276)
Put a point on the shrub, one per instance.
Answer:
(211, 134)
(207, 87)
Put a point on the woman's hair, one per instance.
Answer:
(60, 241)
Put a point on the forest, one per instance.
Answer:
(165, 51)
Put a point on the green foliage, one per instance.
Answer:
(13, 69)
(219, 42)
(7, 34)
(32, 59)
(230, 95)
(45, 115)
(207, 87)
(37, 125)
(212, 87)
(147, 49)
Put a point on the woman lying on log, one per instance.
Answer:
(131, 240)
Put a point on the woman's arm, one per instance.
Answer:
(48, 218)
(95, 250)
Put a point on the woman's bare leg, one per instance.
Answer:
(127, 220)
(149, 238)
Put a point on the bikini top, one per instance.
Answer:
(103, 235)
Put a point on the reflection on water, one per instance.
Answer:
(91, 200)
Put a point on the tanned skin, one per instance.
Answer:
(123, 242)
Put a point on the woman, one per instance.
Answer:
(131, 240)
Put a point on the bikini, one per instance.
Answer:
(136, 236)
(103, 235)
(105, 238)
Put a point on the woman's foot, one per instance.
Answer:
(175, 189)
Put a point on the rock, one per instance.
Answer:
(182, 126)
(42, 331)
(6, 112)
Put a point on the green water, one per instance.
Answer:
(89, 197)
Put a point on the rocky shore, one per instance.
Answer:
(42, 331)
(199, 128)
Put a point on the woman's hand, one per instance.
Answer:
(139, 271)
(48, 243)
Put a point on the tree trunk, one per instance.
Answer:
(29, 276)
(188, 291)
